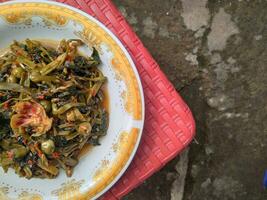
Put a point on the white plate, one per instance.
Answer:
(102, 166)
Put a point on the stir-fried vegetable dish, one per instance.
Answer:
(51, 106)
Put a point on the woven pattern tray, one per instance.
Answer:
(169, 125)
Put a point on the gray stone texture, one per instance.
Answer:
(215, 54)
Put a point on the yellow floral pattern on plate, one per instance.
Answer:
(93, 34)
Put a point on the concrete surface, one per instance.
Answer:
(215, 53)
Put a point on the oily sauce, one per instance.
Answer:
(53, 44)
(87, 147)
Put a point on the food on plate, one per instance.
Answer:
(51, 107)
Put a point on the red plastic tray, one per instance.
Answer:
(169, 125)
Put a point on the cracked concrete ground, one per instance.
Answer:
(215, 54)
